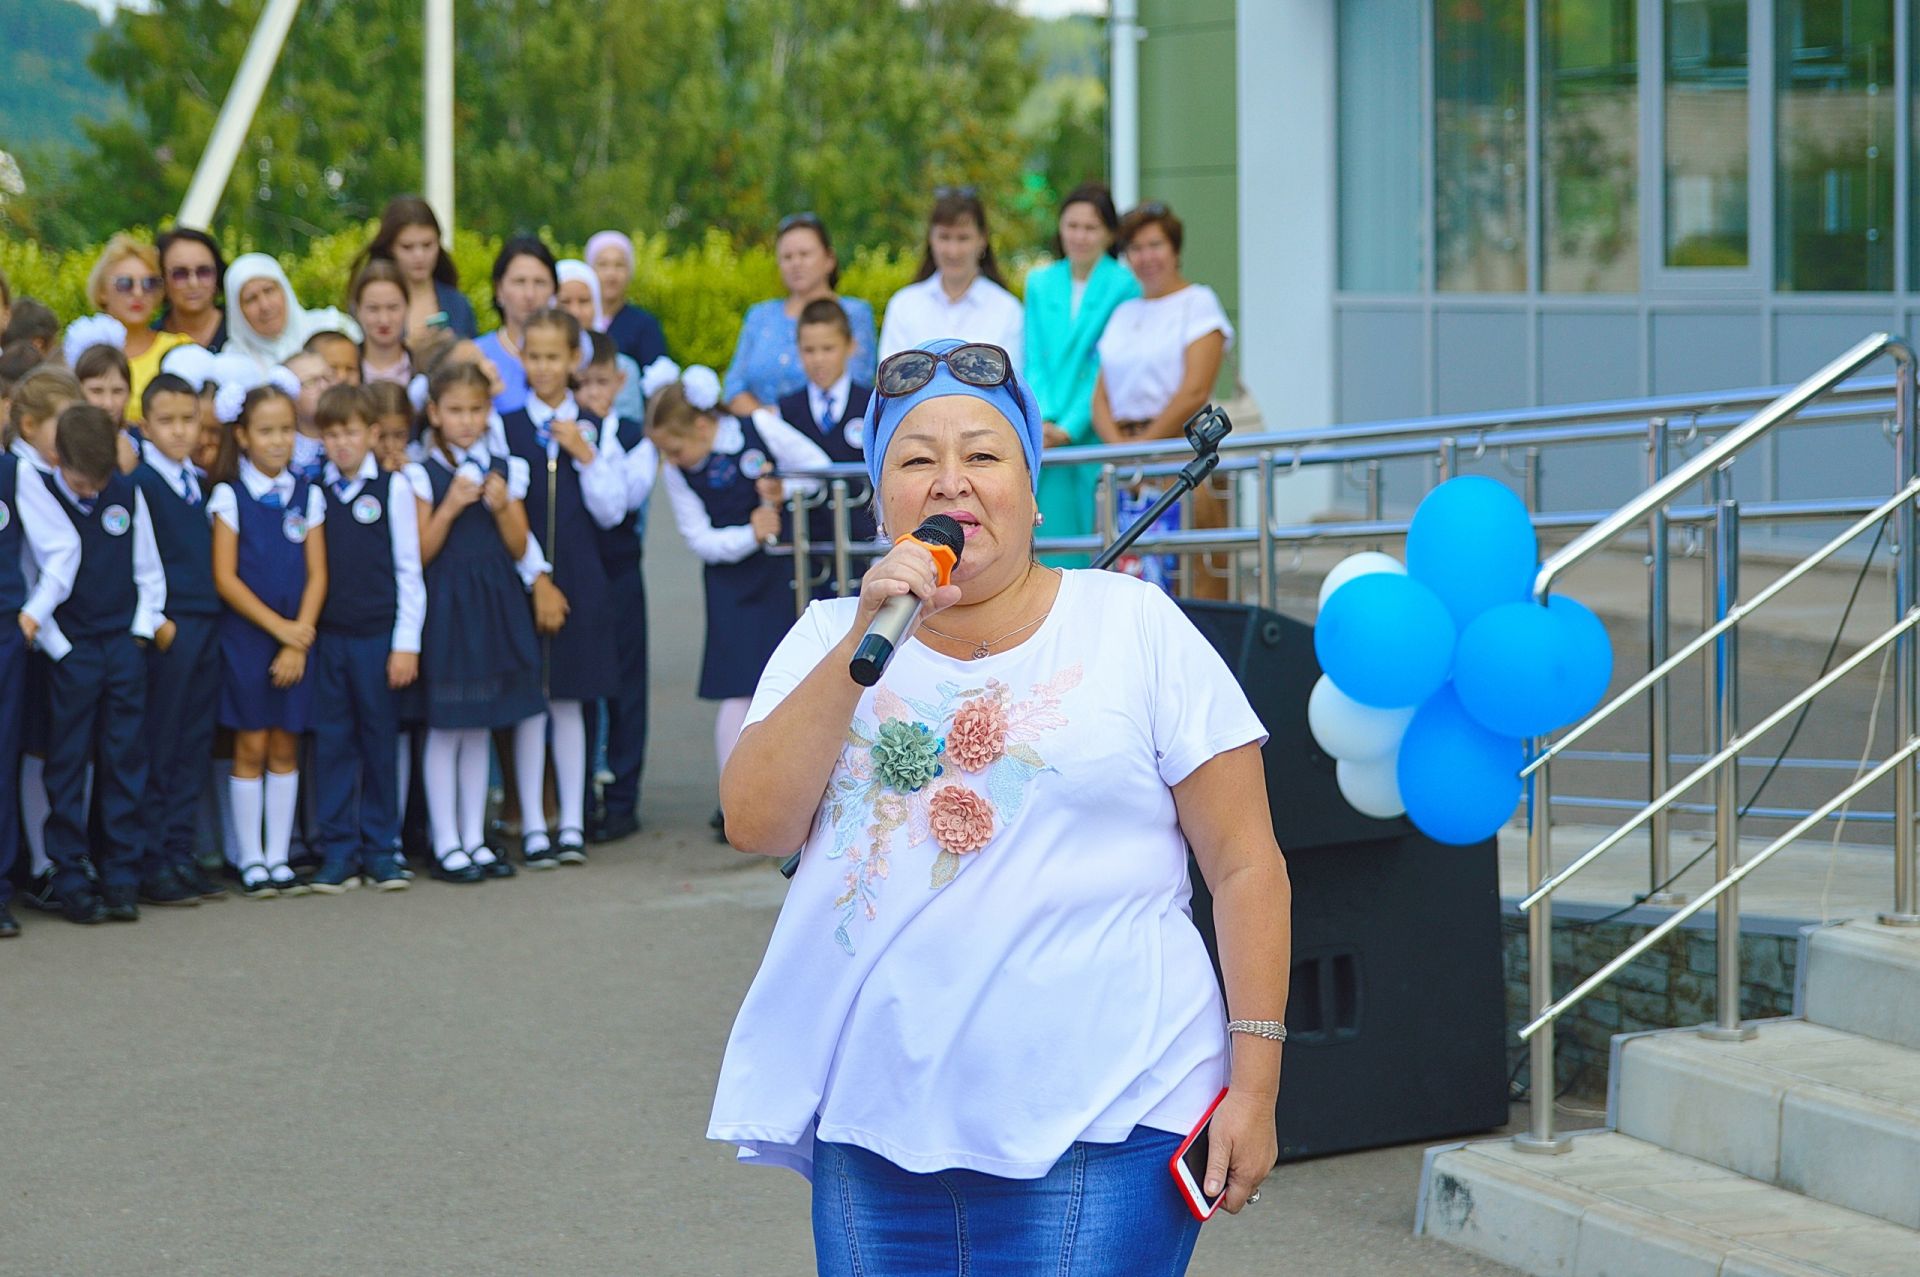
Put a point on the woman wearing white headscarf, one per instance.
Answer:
(579, 295)
(267, 323)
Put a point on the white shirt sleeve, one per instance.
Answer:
(316, 506)
(224, 506)
(639, 469)
(519, 474)
(791, 450)
(410, 617)
(416, 476)
(533, 562)
(52, 545)
(1205, 315)
(149, 575)
(603, 482)
(710, 544)
(1198, 709)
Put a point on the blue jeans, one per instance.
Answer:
(1102, 1211)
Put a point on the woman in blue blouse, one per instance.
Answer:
(766, 362)
(1068, 304)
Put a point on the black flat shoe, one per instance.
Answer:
(84, 908)
(8, 927)
(571, 849)
(463, 872)
(613, 828)
(167, 888)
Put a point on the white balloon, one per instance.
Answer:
(1372, 789)
(1350, 731)
(1364, 563)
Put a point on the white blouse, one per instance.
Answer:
(981, 970)
(921, 313)
(1143, 352)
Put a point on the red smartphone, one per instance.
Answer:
(1189, 1167)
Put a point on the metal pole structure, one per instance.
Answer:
(1539, 1136)
(842, 533)
(802, 561)
(1906, 670)
(1726, 782)
(236, 114)
(1264, 512)
(1659, 708)
(437, 146)
(1124, 34)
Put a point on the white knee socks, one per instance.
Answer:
(726, 728)
(569, 770)
(247, 800)
(282, 792)
(530, 774)
(475, 751)
(34, 809)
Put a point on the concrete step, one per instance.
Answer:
(1615, 1206)
(1864, 978)
(1817, 1110)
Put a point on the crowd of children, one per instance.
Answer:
(327, 598)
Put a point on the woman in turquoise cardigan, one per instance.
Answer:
(1068, 304)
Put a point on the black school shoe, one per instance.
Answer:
(542, 855)
(612, 827)
(197, 878)
(384, 874)
(122, 904)
(83, 907)
(39, 894)
(8, 927)
(168, 889)
(495, 866)
(465, 872)
(572, 849)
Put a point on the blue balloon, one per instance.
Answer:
(1385, 640)
(1524, 670)
(1460, 781)
(1472, 543)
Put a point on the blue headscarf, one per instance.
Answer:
(1013, 400)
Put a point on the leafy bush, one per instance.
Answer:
(700, 293)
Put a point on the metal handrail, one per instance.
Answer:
(1651, 510)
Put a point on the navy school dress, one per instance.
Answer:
(834, 440)
(575, 664)
(749, 603)
(478, 655)
(273, 564)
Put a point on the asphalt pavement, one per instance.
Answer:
(512, 1077)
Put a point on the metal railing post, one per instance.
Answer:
(1534, 483)
(1539, 1136)
(1449, 459)
(1726, 782)
(842, 534)
(1906, 672)
(1106, 503)
(802, 561)
(1659, 711)
(1263, 510)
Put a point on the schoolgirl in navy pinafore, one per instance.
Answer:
(575, 666)
(749, 603)
(478, 659)
(272, 562)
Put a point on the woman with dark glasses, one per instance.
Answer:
(191, 268)
(127, 284)
(958, 291)
(985, 1020)
(766, 361)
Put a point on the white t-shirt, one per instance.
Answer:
(1143, 352)
(921, 313)
(986, 1009)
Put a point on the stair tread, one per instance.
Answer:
(1708, 1206)
(1797, 1053)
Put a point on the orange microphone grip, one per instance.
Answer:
(943, 556)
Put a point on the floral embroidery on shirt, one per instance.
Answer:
(884, 783)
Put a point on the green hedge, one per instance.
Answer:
(700, 294)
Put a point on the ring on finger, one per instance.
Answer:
(1256, 1197)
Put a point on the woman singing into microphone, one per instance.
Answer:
(985, 1020)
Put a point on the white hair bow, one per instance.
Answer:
(229, 400)
(194, 365)
(657, 376)
(282, 376)
(702, 385)
(89, 331)
(417, 392)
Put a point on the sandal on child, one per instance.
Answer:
(537, 852)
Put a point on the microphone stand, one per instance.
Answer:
(1204, 430)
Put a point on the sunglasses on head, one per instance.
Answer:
(126, 284)
(1152, 208)
(960, 192)
(977, 364)
(183, 274)
(791, 220)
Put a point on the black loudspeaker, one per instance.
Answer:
(1396, 1020)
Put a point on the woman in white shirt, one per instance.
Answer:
(985, 999)
(958, 291)
(1159, 357)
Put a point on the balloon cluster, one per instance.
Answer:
(1436, 669)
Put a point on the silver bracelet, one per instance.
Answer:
(1271, 1030)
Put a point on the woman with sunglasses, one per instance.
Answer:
(766, 361)
(192, 266)
(126, 283)
(985, 1020)
(958, 291)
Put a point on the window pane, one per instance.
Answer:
(1590, 146)
(1706, 127)
(1834, 208)
(1380, 169)
(1480, 145)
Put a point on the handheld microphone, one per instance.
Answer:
(940, 534)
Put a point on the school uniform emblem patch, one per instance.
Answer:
(116, 520)
(6, 516)
(294, 526)
(753, 463)
(855, 432)
(591, 435)
(366, 508)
